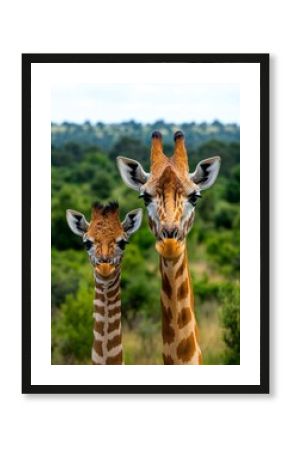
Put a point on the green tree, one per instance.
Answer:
(230, 316)
(72, 326)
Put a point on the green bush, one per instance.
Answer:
(232, 186)
(225, 215)
(68, 269)
(72, 328)
(230, 316)
(224, 249)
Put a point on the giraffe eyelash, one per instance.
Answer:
(193, 197)
(88, 244)
(122, 244)
(146, 197)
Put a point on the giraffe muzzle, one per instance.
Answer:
(169, 248)
(105, 269)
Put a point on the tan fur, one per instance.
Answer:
(104, 229)
(180, 336)
(170, 184)
(170, 194)
(177, 163)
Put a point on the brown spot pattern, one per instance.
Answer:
(180, 270)
(113, 326)
(115, 300)
(112, 343)
(167, 289)
(184, 317)
(164, 262)
(167, 330)
(186, 348)
(98, 347)
(114, 311)
(99, 309)
(112, 293)
(100, 297)
(182, 290)
(167, 359)
(174, 261)
(99, 327)
(178, 212)
(112, 284)
(115, 359)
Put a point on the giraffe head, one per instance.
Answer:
(170, 191)
(105, 236)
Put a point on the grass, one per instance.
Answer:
(211, 334)
(143, 345)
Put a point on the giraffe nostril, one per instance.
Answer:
(164, 233)
(169, 233)
(104, 259)
(175, 233)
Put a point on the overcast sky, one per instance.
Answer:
(146, 103)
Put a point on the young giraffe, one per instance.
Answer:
(170, 194)
(105, 238)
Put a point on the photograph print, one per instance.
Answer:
(148, 261)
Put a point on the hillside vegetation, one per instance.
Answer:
(106, 136)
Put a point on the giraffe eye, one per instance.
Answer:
(146, 197)
(122, 244)
(88, 245)
(193, 197)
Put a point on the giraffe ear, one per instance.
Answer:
(132, 221)
(77, 222)
(132, 172)
(206, 172)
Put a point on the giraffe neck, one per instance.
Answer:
(179, 328)
(107, 346)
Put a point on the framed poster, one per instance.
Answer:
(145, 223)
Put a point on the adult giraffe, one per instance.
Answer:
(170, 193)
(105, 238)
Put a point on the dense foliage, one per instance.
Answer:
(108, 135)
(83, 173)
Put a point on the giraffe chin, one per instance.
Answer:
(105, 269)
(170, 248)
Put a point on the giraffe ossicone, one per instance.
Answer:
(105, 238)
(170, 192)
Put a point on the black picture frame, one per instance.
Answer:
(263, 61)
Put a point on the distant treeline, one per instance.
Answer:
(107, 135)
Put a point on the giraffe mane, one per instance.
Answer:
(111, 207)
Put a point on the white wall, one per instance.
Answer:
(72, 422)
